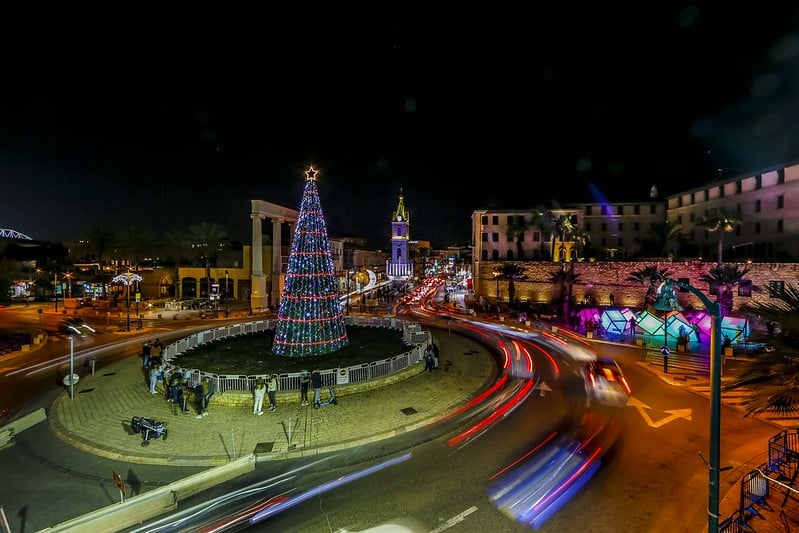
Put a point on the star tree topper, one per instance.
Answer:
(311, 173)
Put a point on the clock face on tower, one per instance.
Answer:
(399, 218)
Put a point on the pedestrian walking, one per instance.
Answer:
(271, 391)
(305, 380)
(316, 385)
(258, 394)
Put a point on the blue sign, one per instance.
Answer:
(664, 351)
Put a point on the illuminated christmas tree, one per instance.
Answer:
(309, 321)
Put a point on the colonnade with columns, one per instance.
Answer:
(260, 299)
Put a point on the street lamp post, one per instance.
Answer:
(665, 298)
(55, 290)
(349, 290)
(127, 278)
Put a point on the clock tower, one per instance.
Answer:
(400, 267)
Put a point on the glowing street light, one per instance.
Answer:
(127, 278)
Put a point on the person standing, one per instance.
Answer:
(305, 379)
(198, 400)
(428, 358)
(209, 389)
(145, 353)
(154, 370)
(271, 390)
(316, 385)
(258, 394)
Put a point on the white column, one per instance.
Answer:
(258, 296)
(277, 260)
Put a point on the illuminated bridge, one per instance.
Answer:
(13, 234)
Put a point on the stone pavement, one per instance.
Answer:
(98, 418)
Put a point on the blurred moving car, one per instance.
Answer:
(605, 382)
(75, 326)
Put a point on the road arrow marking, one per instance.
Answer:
(544, 388)
(673, 414)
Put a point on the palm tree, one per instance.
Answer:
(721, 220)
(177, 248)
(209, 239)
(774, 376)
(652, 277)
(544, 222)
(136, 244)
(564, 230)
(509, 272)
(516, 232)
(100, 241)
(724, 278)
(565, 278)
(663, 240)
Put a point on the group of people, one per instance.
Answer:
(268, 389)
(173, 381)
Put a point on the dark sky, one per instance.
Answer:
(166, 121)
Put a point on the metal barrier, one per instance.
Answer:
(412, 334)
(754, 493)
(783, 453)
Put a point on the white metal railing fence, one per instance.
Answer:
(412, 335)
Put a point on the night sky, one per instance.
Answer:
(164, 121)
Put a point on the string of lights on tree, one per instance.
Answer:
(309, 320)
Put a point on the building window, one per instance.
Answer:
(779, 226)
(780, 202)
(776, 289)
(692, 218)
(757, 228)
(484, 255)
(588, 209)
(679, 201)
(652, 209)
(603, 210)
(510, 219)
(510, 237)
(679, 219)
(637, 210)
(495, 255)
(604, 226)
(495, 220)
(619, 210)
(738, 187)
(637, 226)
(509, 255)
(758, 182)
(484, 220)
(707, 194)
(781, 176)
(587, 226)
(536, 236)
(693, 198)
(485, 237)
(495, 237)
(757, 206)
(745, 288)
(721, 191)
(621, 226)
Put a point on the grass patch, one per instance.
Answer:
(252, 354)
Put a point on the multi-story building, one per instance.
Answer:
(766, 205)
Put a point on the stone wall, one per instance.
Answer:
(599, 280)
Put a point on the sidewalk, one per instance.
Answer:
(97, 418)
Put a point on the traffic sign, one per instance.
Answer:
(664, 351)
(68, 381)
